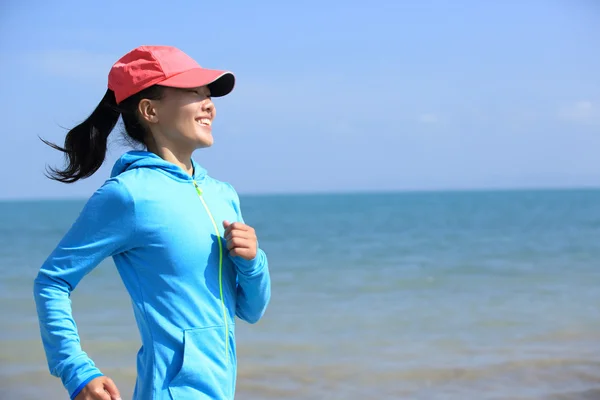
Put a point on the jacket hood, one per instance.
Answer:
(145, 159)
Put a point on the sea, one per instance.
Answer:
(412, 295)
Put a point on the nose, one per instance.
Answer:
(208, 106)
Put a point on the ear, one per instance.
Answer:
(148, 110)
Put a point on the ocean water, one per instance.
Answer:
(440, 295)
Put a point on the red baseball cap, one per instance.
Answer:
(145, 66)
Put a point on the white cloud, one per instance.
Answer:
(584, 112)
(74, 64)
(428, 118)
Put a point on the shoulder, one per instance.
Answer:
(223, 188)
(112, 197)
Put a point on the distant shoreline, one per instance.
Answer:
(543, 189)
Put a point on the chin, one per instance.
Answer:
(203, 143)
(203, 140)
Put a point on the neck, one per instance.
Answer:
(182, 159)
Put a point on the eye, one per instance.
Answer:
(200, 92)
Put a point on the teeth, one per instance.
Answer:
(205, 121)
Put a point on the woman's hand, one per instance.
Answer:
(101, 388)
(241, 240)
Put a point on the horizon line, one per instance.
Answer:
(353, 192)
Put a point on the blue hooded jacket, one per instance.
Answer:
(164, 230)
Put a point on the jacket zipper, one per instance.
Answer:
(199, 191)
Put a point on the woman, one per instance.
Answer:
(177, 236)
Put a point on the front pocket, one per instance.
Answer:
(204, 373)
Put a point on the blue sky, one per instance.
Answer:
(332, 96)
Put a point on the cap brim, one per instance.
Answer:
(220, 83)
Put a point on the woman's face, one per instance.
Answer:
(183, 119)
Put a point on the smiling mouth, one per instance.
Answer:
(204, 121)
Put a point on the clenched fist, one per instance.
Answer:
(241, 240)
(101, 388)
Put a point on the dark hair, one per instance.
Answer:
(86, 144)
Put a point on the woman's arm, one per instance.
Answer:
(104, 228)
(253, 278)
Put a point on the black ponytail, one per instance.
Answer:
(86, 144)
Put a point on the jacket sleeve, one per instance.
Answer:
(104, 227)
(254, 281)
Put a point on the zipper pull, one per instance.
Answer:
(198, 190)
